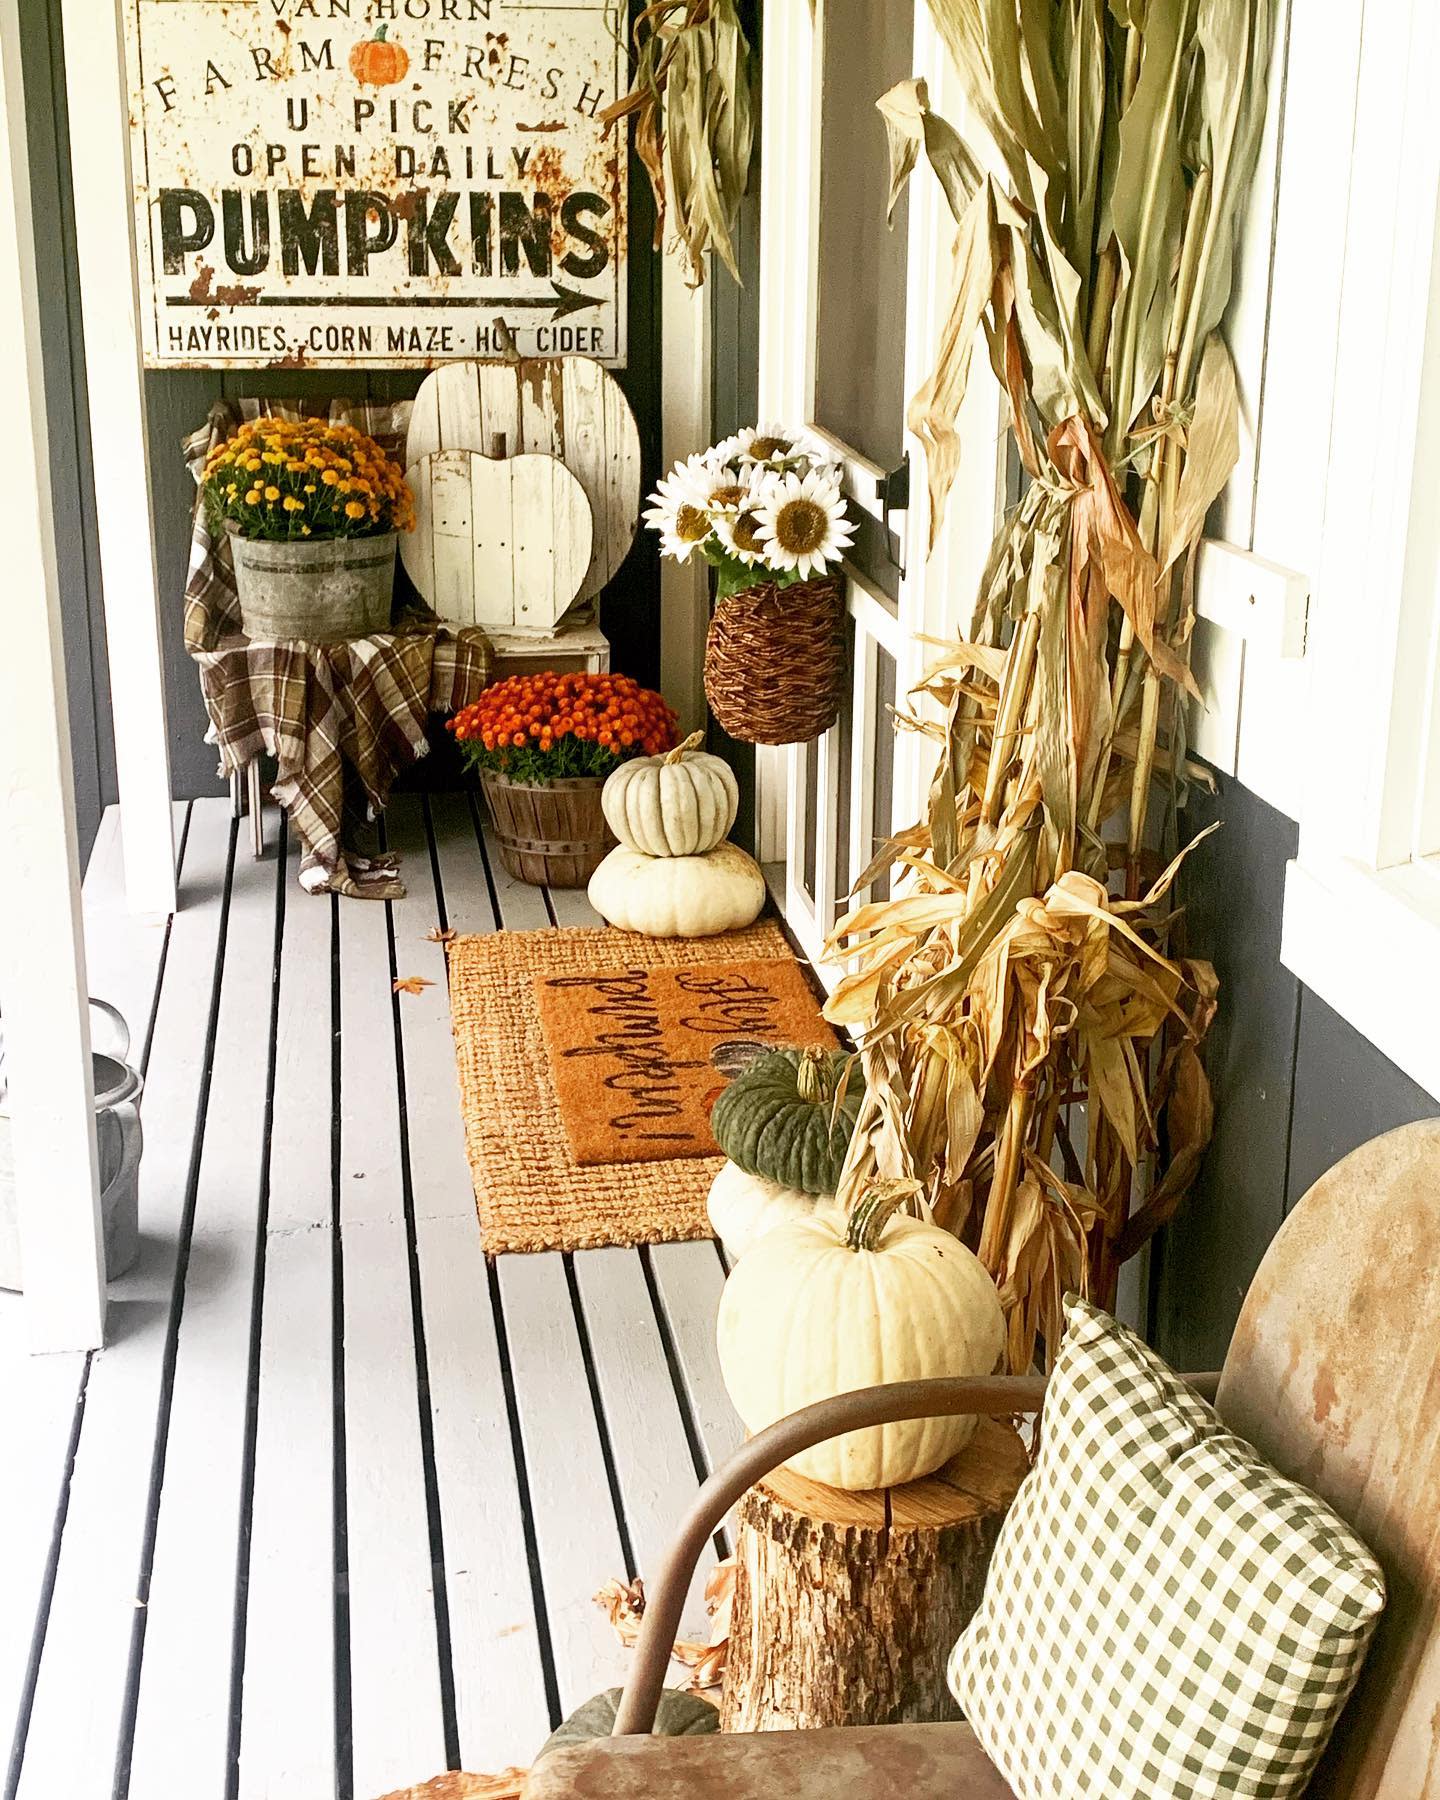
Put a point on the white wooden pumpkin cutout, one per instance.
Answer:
(570, 407)
(497, 541)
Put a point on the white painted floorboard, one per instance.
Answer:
(287, 1738)
(182, 1719)
(78, 1719)
(495, 1649)
(415, 1587)
(396, 1720)
(37, 1413)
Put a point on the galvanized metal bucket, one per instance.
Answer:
(324, 590)
(118, 1141)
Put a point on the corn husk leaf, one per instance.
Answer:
(1212, 448)
(1147, 207)
(508, 1784)
(911, 127)
(694, 124)
(934, 410)
(1236, 38)
(623, 1603)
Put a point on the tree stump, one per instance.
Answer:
(847, 1605)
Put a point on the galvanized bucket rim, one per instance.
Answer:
(375, 551)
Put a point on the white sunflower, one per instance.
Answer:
(774, 447)
(727, 450)
(801, 523)
(678, 509)
(725, 490)
(738, 535)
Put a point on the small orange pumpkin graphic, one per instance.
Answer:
(377, 62)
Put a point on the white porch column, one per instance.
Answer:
(95, 82)
(42, 952)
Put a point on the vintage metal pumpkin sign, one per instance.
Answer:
(376, 181)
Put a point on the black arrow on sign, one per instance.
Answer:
(565, 300)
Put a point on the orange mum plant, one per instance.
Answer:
(299, 478)
(551, 727)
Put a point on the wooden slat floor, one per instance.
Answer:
(326, 1514)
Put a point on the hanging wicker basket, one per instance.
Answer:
(775, 661)
(552, 833)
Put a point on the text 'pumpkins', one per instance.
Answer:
(827, 1305)
(780, 1118)
(679, 804)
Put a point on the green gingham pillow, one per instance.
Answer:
(1164, 1614)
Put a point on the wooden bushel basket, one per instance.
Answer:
(775, 661)
(551, 834)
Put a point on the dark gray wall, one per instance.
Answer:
(1296, 1088)
(86, 675)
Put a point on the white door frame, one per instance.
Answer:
(936, 592)
(97, 88)
(48, 1072)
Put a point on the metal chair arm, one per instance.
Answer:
(993, 1396)
(996, 1396)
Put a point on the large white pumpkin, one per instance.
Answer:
(823, 1306)
(678, 896)
(743, 1207)
(679, 804)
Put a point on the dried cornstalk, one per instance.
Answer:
(694, 123)
(1030, 1044)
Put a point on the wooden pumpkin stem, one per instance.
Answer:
(812, 1078)
(872, 1211)
(693, 742)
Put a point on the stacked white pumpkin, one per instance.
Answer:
(820, 1303)
(784, 1140)
(672, 874)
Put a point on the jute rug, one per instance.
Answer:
(533, 1188)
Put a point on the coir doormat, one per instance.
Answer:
(535, 1187)
(638, 1054)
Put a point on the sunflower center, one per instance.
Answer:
(691, 524)
(765, 448)
(746, 536)
(730, 495)
(800, 527)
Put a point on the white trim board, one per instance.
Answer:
(1362, 906)
(43, 982)
(96, 86)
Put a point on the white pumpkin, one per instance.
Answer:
(678, 896)
(743, 1207)
(825, 1305)
(680, 804)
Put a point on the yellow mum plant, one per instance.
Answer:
(300, 478)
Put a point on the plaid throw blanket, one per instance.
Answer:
(341, 720)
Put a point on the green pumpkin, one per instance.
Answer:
(678, 1715)
(778, 1119)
